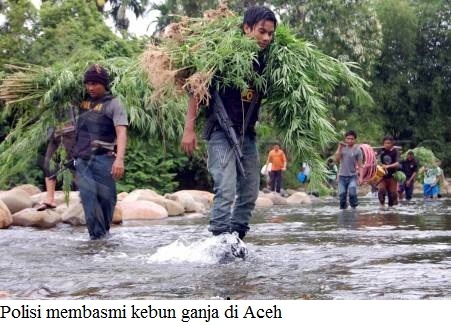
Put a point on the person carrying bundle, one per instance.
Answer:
(409, 167)
(100, 150)
(230, 132)
(388, 185)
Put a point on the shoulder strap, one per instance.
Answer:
(250, 112)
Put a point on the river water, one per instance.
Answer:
(311, 252)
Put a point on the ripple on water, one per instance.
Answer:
(210, 250)
(309, 252)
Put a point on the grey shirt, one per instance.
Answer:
(115, 110)
(348, 159)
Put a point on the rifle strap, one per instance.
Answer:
(212, 118)
(249, 113)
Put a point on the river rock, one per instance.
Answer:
(291, 191)
(74, 215)
(31, 217)
(117, 215)
(194, 215)
(29, 188)
(263, 202)
(299, 198)
(73, 200)
(122, 196)
(16, 200)
(59, 197)
(277, 199)
(141, 195)
(187, 201)
(6, 219)
(174, 208)
(142, 210)
(204, 197)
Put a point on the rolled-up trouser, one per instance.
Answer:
(388, 186)
(230, 186)
(347, 185)
(97, 192)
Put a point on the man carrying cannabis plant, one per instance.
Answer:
(233, 159)
(100, 150)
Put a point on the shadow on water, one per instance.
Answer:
(309, 252)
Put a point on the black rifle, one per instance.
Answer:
(227, 126)
(70, 164)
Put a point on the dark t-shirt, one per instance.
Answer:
(409, 167)
(389, 157)
(237, 103)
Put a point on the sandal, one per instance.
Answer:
(45, 206)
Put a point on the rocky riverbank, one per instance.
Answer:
(18, 206)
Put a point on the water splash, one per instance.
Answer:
(212, 250)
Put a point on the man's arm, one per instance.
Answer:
(412, 178)
(189, 140)
(268, 160)
(394, 165)
(337, 154)
(118, 168)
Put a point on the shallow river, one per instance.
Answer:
(313, 252)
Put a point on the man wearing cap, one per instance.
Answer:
(100, 150)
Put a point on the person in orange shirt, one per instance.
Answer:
(279, 163)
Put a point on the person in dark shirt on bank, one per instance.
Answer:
(409, 167)
(389, 157)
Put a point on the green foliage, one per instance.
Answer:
(399, 176)
(394, 72)
(194, 173)
(149, 166)
(347, 30)
(18, 31)
(404, 50)
(299, 77)
(296, 79)
(118, 11)
(43, 94)
(69, 27)
(423, 156)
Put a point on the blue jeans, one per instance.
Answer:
(347, 184)
(97, 192)
(230, 186)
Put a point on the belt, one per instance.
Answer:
(103, 152)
